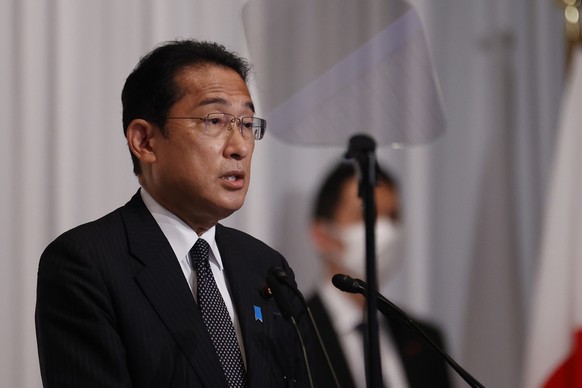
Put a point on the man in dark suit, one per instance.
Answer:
(338, 233)
(126, 301)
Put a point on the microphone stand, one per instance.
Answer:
(281, 276)
(287, 311)
(362, 150)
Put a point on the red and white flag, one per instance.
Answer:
(554, 348)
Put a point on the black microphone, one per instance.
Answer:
(281, 276)
(287, 311)
(347, 284)
(280, 300)
(389, 309)
(360, 144)
(358, 286)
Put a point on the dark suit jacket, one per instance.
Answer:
(114, 310)
(423, 366)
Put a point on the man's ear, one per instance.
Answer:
(323, 240)
(141, 137)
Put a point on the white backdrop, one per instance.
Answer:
(472, 199)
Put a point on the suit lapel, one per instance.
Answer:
(413, 352)
(246, 285)
(163, 283)
(330, 339)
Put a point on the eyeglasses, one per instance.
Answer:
(219, 125)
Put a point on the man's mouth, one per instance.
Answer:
(233, 176)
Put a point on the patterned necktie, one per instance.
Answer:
(216, 317)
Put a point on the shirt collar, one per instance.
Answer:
(180, 236)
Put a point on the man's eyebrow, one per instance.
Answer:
(214, 100)
(222, 101)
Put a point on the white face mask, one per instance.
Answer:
(389, 249)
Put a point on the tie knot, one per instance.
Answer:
(199, 251)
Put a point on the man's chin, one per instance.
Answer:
(229, 208)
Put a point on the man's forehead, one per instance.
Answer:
(349, 207)
(213, 85)
(204, 71)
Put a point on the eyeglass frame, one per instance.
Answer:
(258, 132)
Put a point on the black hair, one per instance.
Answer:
(150, 90)
(328, 196)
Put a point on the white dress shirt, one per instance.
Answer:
(182, 238)
(346, 315)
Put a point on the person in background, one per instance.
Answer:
(157, 293)
(338, 234)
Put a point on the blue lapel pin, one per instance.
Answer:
(258, 314)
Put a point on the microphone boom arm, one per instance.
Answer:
(390, 310)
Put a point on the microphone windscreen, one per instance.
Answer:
(279, 274)
(360, 144)
(346, 283)
(280, 299)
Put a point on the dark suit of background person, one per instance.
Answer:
(337, 230)
(114, 308)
